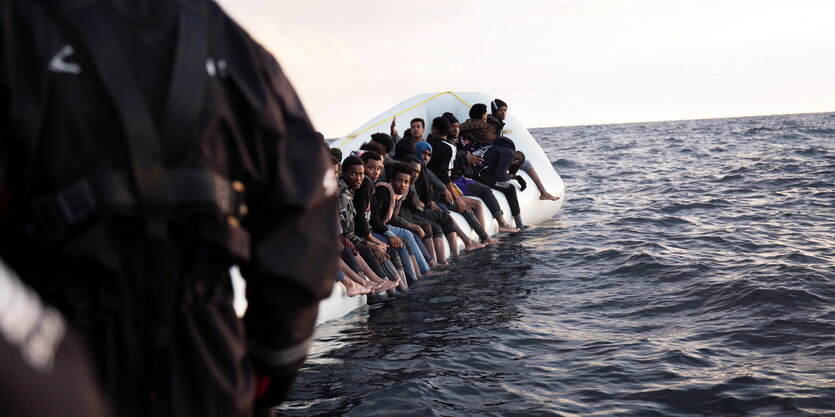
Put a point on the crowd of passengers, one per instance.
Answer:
(396, 196)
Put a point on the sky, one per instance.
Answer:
(555, 62)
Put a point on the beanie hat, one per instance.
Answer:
(451, 117)
(495, 104)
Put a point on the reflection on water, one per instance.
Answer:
(691, 272)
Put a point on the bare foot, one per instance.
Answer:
(435, 273)
(490, 241)
(547, 196)
(357, 290)
(386, 285)
(474, 245)
(508, 229)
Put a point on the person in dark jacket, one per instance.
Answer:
(387, 224)
(46, 371)
(466, 167)
(135, 171)
(498, 109)
(499, 159)
(439, 162)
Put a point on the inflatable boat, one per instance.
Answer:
(428, 106)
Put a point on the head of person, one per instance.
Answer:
(478, 112)
(498, 108)
(417, 127)
(385, 140)
(518, 159)
(454, 126)
(336, 153)
(373, 165)
(335, 165)
(401, 178)
(372, 146)
(353, 172)
(414, 164)
(440, 127)
(423, 151)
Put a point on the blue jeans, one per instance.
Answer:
(409, 238)
(403, 254)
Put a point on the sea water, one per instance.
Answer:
(690, 272)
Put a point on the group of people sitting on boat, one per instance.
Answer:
(396, 196)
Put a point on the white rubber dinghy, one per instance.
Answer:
(428, 106)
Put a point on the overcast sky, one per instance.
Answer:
(555, 62)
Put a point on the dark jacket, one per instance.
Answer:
(496, 123)
(348, 214)
(362, 204)
(478, 130)
(147, 286)
(442, 155)
(498, 158)
(381, 206)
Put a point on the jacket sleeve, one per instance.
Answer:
(505, 159)
(436, 182)
(361, 202)
(292, 227)
(379, 202)
(439, 164)
(400, 222)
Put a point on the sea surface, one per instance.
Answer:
(690, 272)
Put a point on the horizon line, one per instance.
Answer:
(684, 120)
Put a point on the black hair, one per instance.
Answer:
(400, 168)
(370, 155)
(418, 119)
(442, 125)
(478, 110)
(368, 146)
(514, 167)
(451, 117)
(411, 158)
(320, 136)
(350, 161)
(383, 139)
(495, 104)
(336, 152)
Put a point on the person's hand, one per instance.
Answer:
(379, 253)
(382, 245)
(474, 159)
(433, 206)
(448, 196)
(419, 231)
(420, 206)
(522, 183)
(462, 205)
(395, 242)
(392, 127)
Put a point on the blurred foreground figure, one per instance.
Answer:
(45, 371)
(145, 148)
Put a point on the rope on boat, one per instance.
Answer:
(354, 136)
